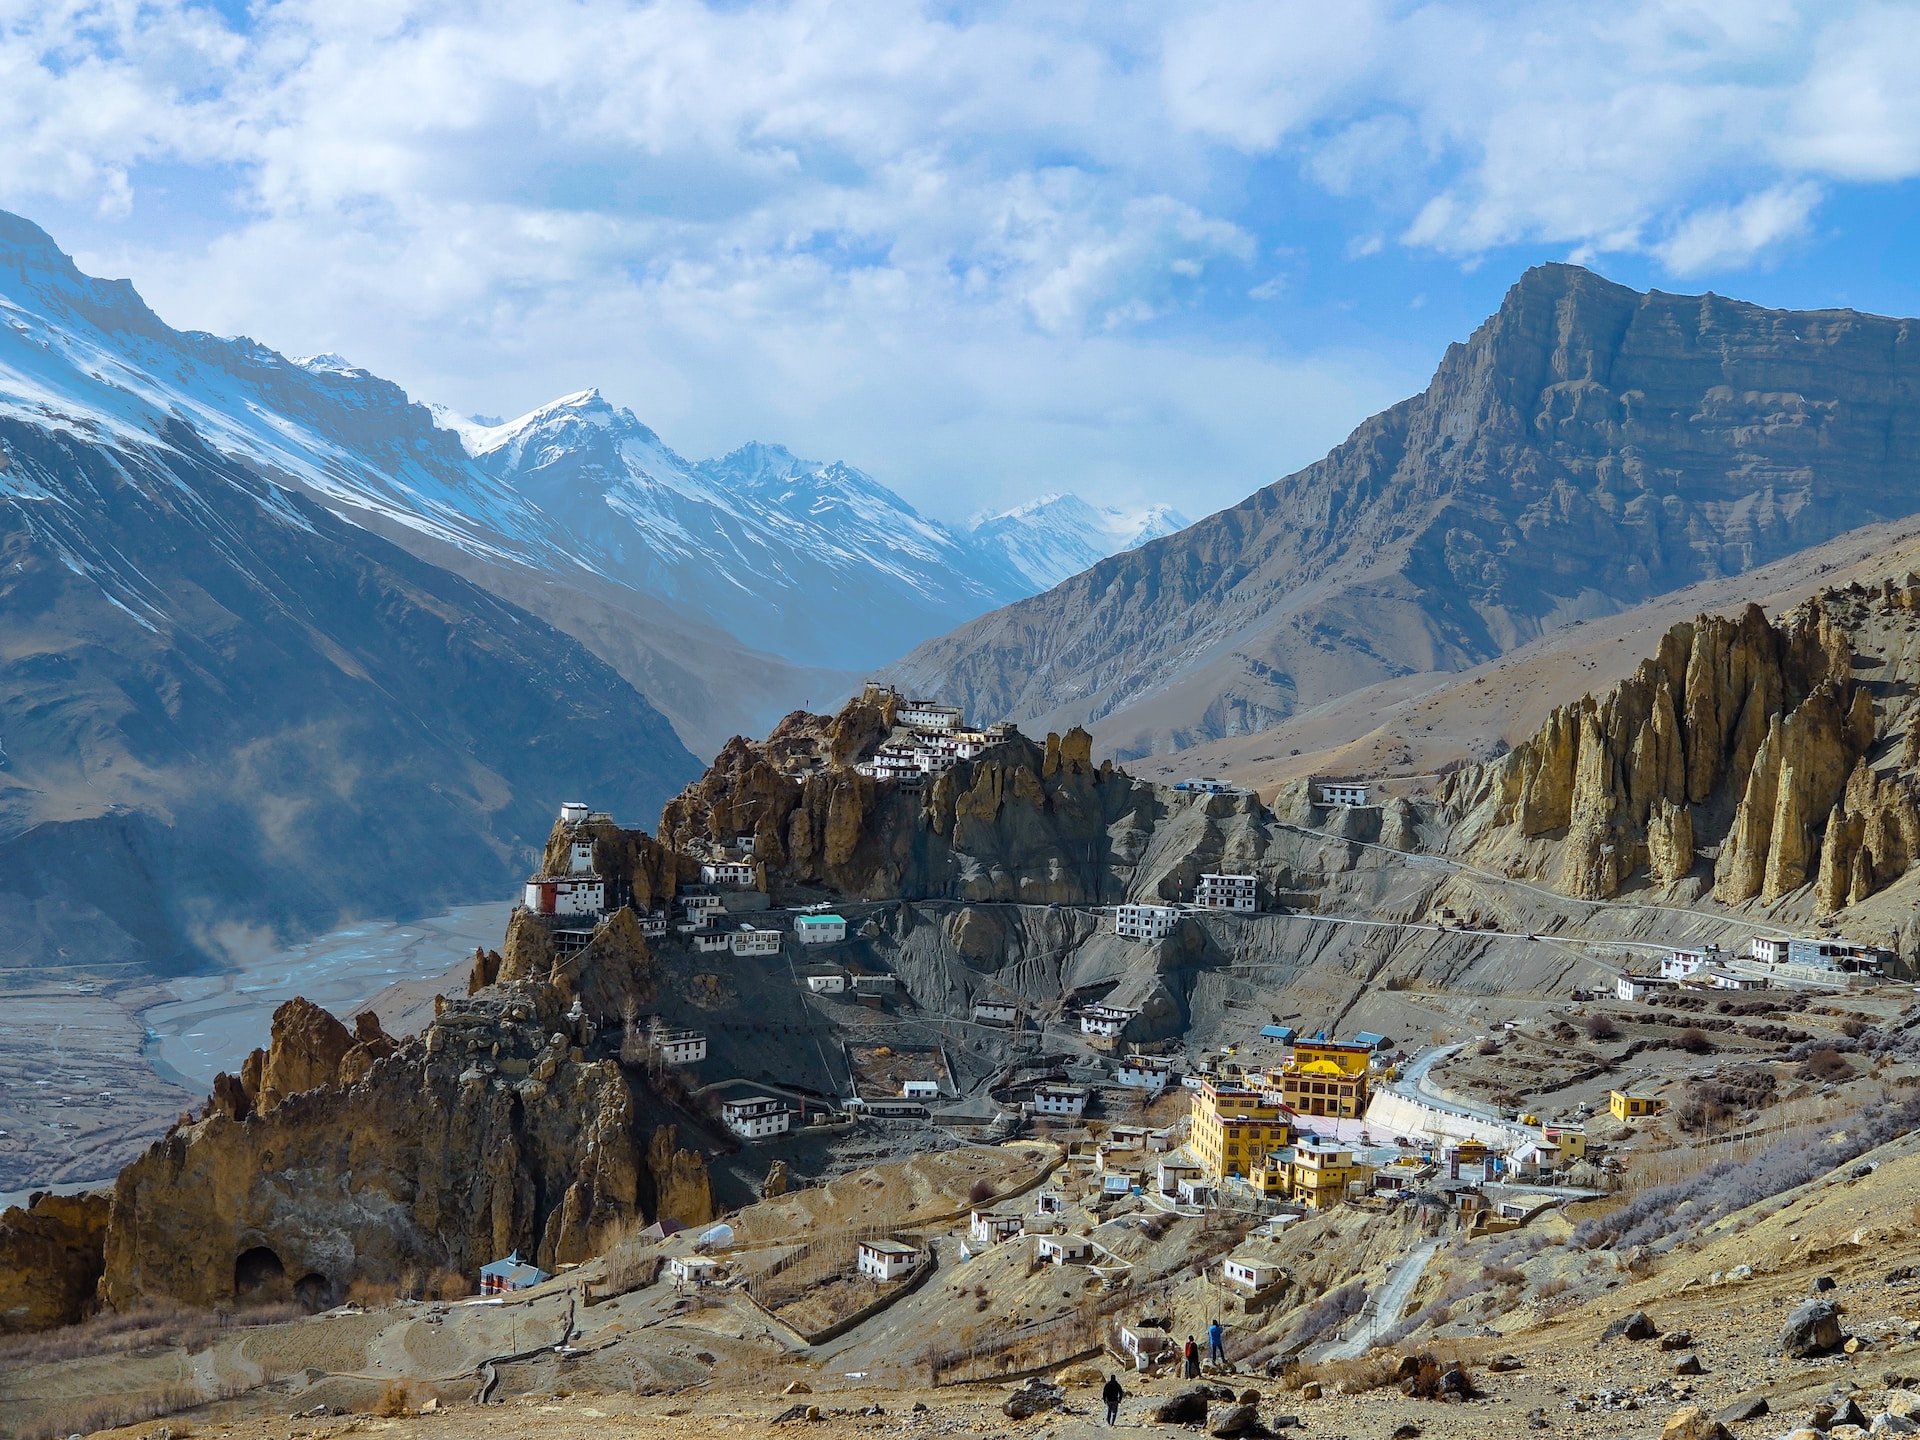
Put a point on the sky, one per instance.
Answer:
(1149, 253)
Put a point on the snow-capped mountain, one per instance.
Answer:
(1057, 536)
(816, 562)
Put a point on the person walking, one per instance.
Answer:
(1192, 1356)
(1216, 1344)
(1113, 1395)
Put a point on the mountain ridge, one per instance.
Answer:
(1586, 448)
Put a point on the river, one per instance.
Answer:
(214, 1020)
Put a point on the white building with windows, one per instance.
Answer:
(567, 895)
(929, 715)
(732, 874)
(755, 940)
(1104, 1021)
(996, 1012)
(1144, 1072)
(1682, 963)
(990, 1227)
(1067, 1100)
(694, 1269)
(1227, 892)
(1339, 792)
(699, 903)
(1145, 922)
(885, 1260)
(1638, 987)
(1244, 1272)
(680, 1047)
(831, 984)
(920, 1090)
(711, 941)
(1062, 1249)
(820, 929)
(757, 1118)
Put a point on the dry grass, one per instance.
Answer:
(82, 1417)
(121, 1331)
(395, 1402)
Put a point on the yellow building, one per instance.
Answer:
(1628, 1106)
(1320, 1174)
(1233, 1130)
(1326, 1077)
(1572, 1143)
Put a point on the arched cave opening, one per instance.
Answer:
(258, 1274)
(314, 1291)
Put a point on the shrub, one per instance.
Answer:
(1600, 1026)
(1487, 1046)
(980, 1191)
(1827, 1065)
(1694, 1041)
(396, 1400)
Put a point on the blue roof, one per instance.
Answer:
(1276, 1032)
(1368, 1037)
(502, 1267)
(821, 920)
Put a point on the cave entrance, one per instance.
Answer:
(258, 1274)
(313, 1291)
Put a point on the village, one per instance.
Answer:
(1279, 1123)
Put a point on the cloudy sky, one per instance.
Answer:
(1142, 251)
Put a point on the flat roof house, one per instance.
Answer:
(996, 1012)
(825, 929)
(1227, 892)
(757, 1117)
(884, 1260)
(1625, 1105)
(1061, 1249)
(834, 984)
(1250, 1273)
(1056, 1099)
(756, 940)
(990, 1227)
(1145, 922)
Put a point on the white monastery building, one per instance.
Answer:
(757, 1118)
(1227, 892)
(1145, 922)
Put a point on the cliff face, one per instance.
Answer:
(1782, 749)
(1588, 448)
(340, 1154)
(52, 1248)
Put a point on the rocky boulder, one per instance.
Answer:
(1693, 1423)
(1812, 1329)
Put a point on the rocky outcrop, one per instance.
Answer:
(342, 1154)
(1035, 823)
(1766, 743)
(50, 1260)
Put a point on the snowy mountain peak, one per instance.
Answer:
(1056, 536)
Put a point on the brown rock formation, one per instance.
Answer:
(1745, 733)
(50, 1260)
(304, 1053)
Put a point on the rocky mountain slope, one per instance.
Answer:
(1587, 448)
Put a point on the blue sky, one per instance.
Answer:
(1145, 252)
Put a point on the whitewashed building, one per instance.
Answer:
(1227, 892)
(699, 903)
(831, 984)
(1682, 963)
(757, 1118)
(732, 874)
(1067, 1100)
(990, 1227)
(709, 940)
(566, 895)
(1144, 1072)
(821, 929)
(885, 1260)
(1244, 1272)
(1145, 922)
(694, 1269)
(1638, 987)
(1339, 792)
(680, 1047)
(920, 1090)
(996, 1012)
(1062, 1249)
(1105, 1021)
(755, 940)
(929, 715)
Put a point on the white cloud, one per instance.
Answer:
(1724, 235)
(859, 227)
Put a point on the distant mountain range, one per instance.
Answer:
(1588, 448)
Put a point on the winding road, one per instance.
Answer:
(1385, 1304)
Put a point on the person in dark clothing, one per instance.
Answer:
(1192, 1356)
(1113, 1395)
(1216, 1344)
